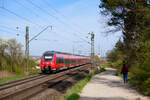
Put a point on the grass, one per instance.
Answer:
(18, 76)
(11, 78)
(104, 65)
(73, 94)
(14, 77)
(35, 72)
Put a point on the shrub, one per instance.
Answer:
(146, 87)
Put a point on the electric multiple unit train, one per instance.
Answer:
(53, 61)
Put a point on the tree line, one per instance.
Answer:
(12, 58)
(132, 18)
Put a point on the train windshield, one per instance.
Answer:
(48, 57)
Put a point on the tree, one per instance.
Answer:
(3, 46)
(133, 18)
(14, 48)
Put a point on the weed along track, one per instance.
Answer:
(57, 91)
(29, 87)
(20, 81)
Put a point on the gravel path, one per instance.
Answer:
(107, 86)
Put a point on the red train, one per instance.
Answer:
(55, 61)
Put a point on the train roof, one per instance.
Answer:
(54, 52)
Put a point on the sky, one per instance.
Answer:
(71, 21)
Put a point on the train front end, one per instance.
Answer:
(47, 62)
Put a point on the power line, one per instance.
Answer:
(53, 16)
(21, 17)
(78, 37)
(10, 28)
(28, 9)
(68, 38)
(31, 21)
(5, 31)
(39, 33)
(83, 39)
(63, 16)
(25, 7)
(57, 11)
(8, 32)
(74, 24)
(41, 9)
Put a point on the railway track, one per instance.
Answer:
(59, 90)
(27, 87)
(20, 81)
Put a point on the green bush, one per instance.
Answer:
(146, 87)
(141, 79)
(12, 58)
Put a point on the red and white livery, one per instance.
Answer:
(54, 61)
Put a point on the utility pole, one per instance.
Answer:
(27, 51)
(92, 52)
(27, 46)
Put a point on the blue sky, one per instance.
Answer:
(71, 20)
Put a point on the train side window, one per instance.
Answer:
(69, 61)
(78, 60)
(65, 61)
(59, 60)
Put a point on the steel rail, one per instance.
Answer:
(28, 85)
(20, 81)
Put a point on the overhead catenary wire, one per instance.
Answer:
(25, 7)
(26, 19)
(4, 31)
(41, 9)
(57, 11)
(32, 3)
(74, 24)
(39, 33)
(32, 11)
(6, 27)
(21, 17)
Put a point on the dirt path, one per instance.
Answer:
(107, 86)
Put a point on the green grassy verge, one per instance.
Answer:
(11, 78)
(73, 94)
(35, 72)
(19, 76)
(105, 65)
